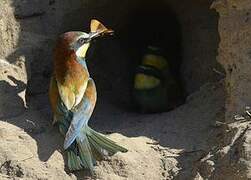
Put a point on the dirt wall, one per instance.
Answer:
(199, 140)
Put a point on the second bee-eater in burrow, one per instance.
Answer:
(73, 96)
(155, 88)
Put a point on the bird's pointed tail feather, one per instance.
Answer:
(74, 162)
(103, 143)
(92, 146)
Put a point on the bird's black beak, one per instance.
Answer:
(94, 35)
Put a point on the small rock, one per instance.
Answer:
(29, 8)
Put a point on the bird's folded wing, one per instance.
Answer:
(53, 94)
(60, 112)
(81, 114)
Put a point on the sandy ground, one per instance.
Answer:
(165, 146)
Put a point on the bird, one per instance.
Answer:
(73, 96)
(155, 88)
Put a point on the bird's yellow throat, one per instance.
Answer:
(81, 52)
(143, 81)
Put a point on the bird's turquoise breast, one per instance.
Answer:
(151, 100)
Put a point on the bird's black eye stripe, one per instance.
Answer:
(82, 40)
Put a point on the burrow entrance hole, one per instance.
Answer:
(186, 30)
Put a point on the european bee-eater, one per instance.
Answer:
(73, 96)
(155, 88)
